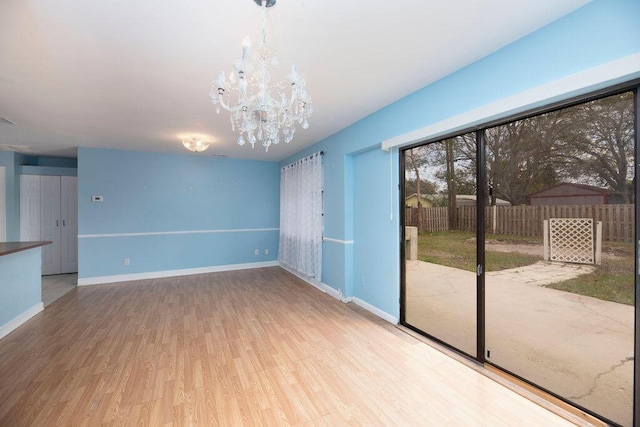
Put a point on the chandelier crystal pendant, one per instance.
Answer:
(266, 109)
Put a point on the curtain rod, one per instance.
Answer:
(319, 153)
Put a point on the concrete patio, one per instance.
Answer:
(579, 347)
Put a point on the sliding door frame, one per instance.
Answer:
(632, 86)
(403, 244)
(636, 371)
(403, 288)
(481, 195)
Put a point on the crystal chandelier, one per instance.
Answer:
(262, 110)
(195, 144)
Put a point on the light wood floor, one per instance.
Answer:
(252, 347)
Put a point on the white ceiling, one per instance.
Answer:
(135, 74)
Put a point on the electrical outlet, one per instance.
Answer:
(266, 251)
(256, 252)
(126, 261)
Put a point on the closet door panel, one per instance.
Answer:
(50, 223)
(69, 231)
(29, 208)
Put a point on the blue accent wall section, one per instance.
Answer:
(52, 162)
(20, 283)
(48, 170)
(16, 164)
(12, 161)
(226, 208)
(333, 265)
(376, 257)
(105, 256)
(358, 181)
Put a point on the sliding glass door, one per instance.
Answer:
(519, 249)
(563, 186)
(440, 255)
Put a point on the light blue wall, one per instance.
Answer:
(20, 287)
(47, 170)
(357, 181)
(12, 161)
(374, 257)
(52, 162)
(212, 211)
(16, 164)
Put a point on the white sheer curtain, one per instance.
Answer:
(300, 247)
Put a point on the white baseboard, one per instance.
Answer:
(375, 310)
(8, 327)
(86, 281)
(337, 294)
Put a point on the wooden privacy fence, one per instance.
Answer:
(432, 220)
(617, 220)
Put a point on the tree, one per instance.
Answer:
(453, 167)
(451, 182)
(598, 146)
(426, 186)
(519, 157)
(415, 159)
(591, 143)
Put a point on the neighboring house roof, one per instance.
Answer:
(459, 198)
(577, 189)
(472, 197)
(422, 196)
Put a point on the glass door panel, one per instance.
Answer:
(560, 254)
(440, 243)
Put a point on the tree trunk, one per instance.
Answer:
(451, 185)
(416, 170)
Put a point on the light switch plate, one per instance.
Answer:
(97, 198)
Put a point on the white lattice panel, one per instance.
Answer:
(571, 240)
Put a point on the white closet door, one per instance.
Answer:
(50, 223)
(69, 215)
(30, 208)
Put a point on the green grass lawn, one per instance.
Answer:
(458, 249)
(612, 281)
